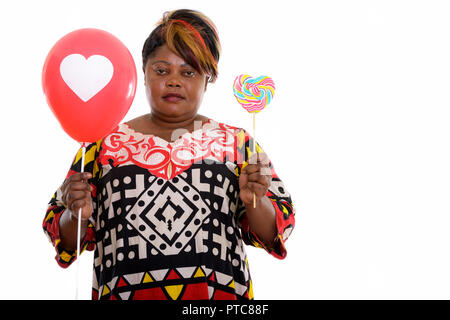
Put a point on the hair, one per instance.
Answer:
(189, 34)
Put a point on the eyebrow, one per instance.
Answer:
(161, 61)
(168, 63)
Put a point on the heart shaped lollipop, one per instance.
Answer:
(254, 94)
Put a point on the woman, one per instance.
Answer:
(167, 198)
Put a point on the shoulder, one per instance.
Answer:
(226, 126)
(138, 122)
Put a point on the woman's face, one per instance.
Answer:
(174, 88)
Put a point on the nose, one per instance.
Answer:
(173, 82)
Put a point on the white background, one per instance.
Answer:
(358, 131)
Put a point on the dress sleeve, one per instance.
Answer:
(56, 207)
(278, 195)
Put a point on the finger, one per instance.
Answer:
(77, 205)
(77, 194)
(74, 191)
(257, 188)
(74, 187)
(73, 196)
(80, 176)
(249, 169)
(84, 208)
(260, 178)
(243, 177)
(76, 177)
(252, 168)
(80, 186)
(246, 195)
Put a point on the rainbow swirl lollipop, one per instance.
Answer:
(254, 94)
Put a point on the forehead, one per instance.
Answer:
(164, 55)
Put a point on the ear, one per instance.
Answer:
(206, 83)
(143, 70)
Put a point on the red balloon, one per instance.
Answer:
(89, 80)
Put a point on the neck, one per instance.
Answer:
(173, 123)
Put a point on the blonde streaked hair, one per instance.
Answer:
(191, 35)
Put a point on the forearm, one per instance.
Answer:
(262, 220)
(68, 227)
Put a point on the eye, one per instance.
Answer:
(189, 73)
(160, 71)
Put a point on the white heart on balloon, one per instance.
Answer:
(86, 77)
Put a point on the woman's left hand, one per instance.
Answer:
(255, 178)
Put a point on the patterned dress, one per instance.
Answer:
(168, 222)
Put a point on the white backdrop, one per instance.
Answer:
(358, 131)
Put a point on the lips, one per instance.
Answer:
(173, 97)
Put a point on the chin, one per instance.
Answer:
(172, 111)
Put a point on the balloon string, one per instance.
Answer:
(79, 227)
(254, 150)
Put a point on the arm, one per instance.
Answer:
(76, 194)
(255, 180)
(60, 221)
(262, 220)
(270, 224)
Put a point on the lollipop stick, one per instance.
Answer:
(243, 89)
(79, 229)
(254, 150)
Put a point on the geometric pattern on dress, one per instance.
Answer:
(177, 284)
(168, 214)
(115, 242)
(219, 237)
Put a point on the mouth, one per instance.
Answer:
(173, 97)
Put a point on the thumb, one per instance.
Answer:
(243, 179)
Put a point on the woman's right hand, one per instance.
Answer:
(76, 194)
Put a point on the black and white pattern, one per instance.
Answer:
(191, 214)
(161, 235)
(168, 214)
